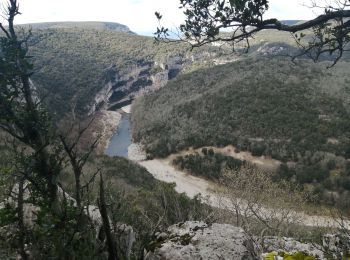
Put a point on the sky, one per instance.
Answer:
(138, 15)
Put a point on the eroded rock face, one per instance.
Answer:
(122, 85)
(197, 240)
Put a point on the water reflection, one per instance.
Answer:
(121, 140)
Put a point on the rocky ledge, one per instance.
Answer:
(197, 240)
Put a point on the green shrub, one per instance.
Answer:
(209, 165)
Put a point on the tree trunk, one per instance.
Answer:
(20, 214)
(111, 244)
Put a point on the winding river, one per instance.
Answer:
(121, 140)
(162, 170)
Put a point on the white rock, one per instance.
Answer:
(292, 246)
(136, 153)
(126, 109)
(196, 240)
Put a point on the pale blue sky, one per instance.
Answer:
(137, 14)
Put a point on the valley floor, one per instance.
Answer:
(262, 162)
(162, 170)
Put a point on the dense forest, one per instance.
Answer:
(244, 102)
(209, 164)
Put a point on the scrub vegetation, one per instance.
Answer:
(268, 107)
(72, 60)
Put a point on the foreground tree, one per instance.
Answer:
(205, 20)
(21, 113)
(40, 153)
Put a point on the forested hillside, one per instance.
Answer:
(269, 107)
(83, 66)
(84, 25)
(75, 61)
(272, 101)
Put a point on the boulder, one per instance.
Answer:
(197, 240)
(292, 246)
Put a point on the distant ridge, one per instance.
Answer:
(87, 25)
(291, 22)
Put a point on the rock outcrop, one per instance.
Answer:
(197, 240)
(292, 246)
(124, 84)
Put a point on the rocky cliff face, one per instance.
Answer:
(125, 84)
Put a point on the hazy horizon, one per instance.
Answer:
(138, 15)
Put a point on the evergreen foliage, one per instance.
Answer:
(267, 107)
(270, 107)
(209, 164)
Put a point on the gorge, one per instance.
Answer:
(157, 139)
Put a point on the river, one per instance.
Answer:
(163, 170)
(121, 140)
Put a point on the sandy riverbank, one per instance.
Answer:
(162, 170)
(126, 109)
(263, 162)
